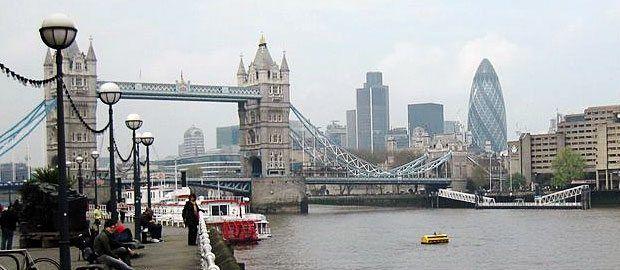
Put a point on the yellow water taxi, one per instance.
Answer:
(435, 238)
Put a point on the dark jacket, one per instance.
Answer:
(103, 244)
(8, 220)
(190, 216)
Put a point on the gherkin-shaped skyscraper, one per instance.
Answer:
(487, 114)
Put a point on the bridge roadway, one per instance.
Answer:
(243, 186)
(185, 91)
(376, 181)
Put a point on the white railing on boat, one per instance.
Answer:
(207, 258)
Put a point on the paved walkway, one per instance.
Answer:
(173, 253)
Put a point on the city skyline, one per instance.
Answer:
(524, 62)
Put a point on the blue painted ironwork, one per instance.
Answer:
(376, 181)
(18, 132)
(185, 92)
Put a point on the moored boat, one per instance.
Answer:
(228, 214)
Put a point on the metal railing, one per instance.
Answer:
(207, 258)
(462, 196)
(562, 195)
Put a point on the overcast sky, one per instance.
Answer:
(549, 55)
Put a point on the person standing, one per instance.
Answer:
(8, 224)
(122, 209)
(190, 218)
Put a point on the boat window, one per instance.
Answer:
(215, 210)
(219, 210)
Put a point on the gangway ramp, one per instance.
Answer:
(462, 196)
(562, 195)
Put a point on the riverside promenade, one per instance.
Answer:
(173, 253)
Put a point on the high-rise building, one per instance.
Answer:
(351, 129)
(373, 116)
(336, 133)
(426, 115)
(13, 172)
(592, 134)
(227, 136)
(80, 78)
(400, 137)
(452, 127)
(487, 113)
(193, 143)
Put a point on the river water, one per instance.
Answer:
(337, 237)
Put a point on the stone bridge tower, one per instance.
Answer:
(263, 138)
(264, 133)
(80, 72)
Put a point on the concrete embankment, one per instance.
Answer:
(606, 198)
(599, 199)
(406, 200)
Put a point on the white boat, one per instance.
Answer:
(228, 214)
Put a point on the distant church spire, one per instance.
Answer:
(262, 41)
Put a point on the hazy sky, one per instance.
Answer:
(549, 55)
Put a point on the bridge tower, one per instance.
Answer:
(263, 133)
(80, 78)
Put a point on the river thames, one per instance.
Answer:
(337, 237)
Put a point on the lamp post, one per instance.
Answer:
(95, 156)
(79, 160)
(147, 139)
(58, 32)
(490, 170)
(110, 94)
(10, 191)
(68, 163)
(134, 122)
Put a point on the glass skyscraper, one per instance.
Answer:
(487, 113)
(227, 136)
(373, 115)
(426, 115)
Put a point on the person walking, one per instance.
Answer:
(8, 224)
(97, 216)
(190, 218)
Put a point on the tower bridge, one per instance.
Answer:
(262, 96)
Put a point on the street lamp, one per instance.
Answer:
(134, 122)
(147, 139)
(68, 163)
(10, 191)
(58, 32)
(95, 156)
(110, 94)
(79, 160)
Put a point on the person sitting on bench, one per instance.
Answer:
(149, 223)
(108, 250)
